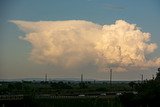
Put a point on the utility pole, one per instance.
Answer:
(141, 77)
(110, 77)
(81, 78)
(94, 81)
(46, 78)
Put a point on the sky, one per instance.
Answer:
(65, 38)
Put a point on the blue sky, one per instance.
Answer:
(14, 61)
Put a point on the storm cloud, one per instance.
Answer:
(79, 43)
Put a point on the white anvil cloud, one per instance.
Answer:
(78, 43)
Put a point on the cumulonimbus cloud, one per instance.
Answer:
(77, 43)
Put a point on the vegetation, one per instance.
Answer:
(32, 89)
(148, 94)
(126, 94)
(60, 87)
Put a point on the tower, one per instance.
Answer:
(142, 77)
(110, 76)
(81, 78)
(45, 77)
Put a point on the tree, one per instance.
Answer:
(158, 75)
(148, 94)
(132, 85)
(82, 85)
